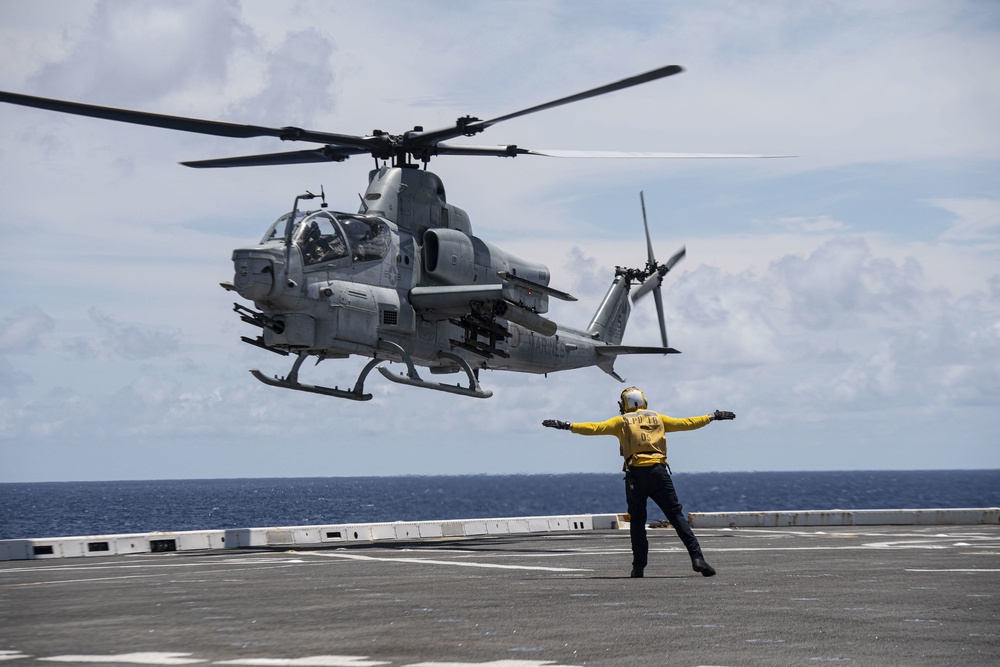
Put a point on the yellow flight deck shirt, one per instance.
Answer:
(641, 434)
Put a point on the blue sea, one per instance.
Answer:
(59, 509)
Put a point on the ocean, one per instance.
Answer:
(61, 509)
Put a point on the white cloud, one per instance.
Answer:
(975, 219)
(131, 53)
(22, 330)
(298, 80)
(132, 341)
(819, 225)
(841, 282)
(836, 332)
(10, 380)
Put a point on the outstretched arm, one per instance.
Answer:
(671, 424)
(609, 427)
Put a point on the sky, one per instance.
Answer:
(844, 303)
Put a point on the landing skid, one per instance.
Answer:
(414, 380)
(292, 381)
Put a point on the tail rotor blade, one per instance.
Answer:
(678, 256)
(649, 242)
(655, 273)
(659, 313)
(651, 283)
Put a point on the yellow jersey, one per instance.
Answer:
(641, 434)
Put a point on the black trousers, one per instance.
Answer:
(642, 483)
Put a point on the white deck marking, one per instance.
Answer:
(80, 581)
(12, 655)
(427, 561)
(149, 658)
(153, 658)
(966, 569)
(495, 663)
(229, 567)
(311, 661)
(248, 558)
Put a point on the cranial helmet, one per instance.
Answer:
(632, 400)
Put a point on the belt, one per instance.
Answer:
(629, 469)
(645, 467)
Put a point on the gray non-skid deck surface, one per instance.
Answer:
(801, 596)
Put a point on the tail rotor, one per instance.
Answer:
(653, 275)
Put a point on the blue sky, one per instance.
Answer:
(845, 303)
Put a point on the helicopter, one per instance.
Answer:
(404, 279)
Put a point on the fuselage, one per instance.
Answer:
(334, 284)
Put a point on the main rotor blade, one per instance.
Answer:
(324, 154)
(497, 151)
(183, 124)
(470, 126)
(640, 154)
(594, 92)
(514, 151)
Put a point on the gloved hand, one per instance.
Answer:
(555, 423)
(723, 414)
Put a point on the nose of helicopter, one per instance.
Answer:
(254, 277)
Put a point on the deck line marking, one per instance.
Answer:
(120, 566)
(142, 658)
(491, 663)
(965, 569)
(427, 561)
(311, 661)
(12, 655)
(81, 581)
(861, 547)
(139, 576)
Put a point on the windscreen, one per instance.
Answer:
(369, 238)
(277, 230)
(320, 239)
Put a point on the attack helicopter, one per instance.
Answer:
(404, 279)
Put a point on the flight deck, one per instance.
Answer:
(783, 595)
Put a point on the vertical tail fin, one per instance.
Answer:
(608, 325)
(612, 315)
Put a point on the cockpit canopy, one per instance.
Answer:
(322, 236)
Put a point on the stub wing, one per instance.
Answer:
(615, 350)
(478, 307)
(531, 286)
(453, 299)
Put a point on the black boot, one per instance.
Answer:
(701, 566)
(636, 572)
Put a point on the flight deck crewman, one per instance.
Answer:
(644, 447)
